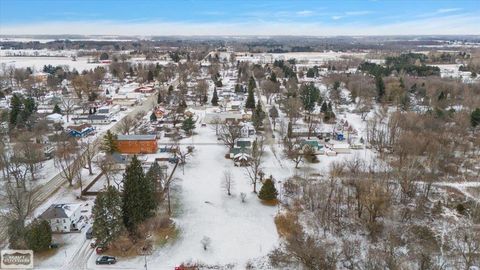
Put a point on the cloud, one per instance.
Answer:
(351, 14)
(447, 10)
(305, 13)
(458, 24)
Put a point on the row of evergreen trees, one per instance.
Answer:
(114, 211)
(36, 236)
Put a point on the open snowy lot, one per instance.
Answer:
(37, 63)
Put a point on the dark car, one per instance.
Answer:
(106, 260)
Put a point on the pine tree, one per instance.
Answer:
(289, 130)
(154, 174)
(153, 117)
(170, 89)
(324, 107)
(188, 125)
(215, 97)
(251, 84)
(380, 88)
(274, 115)
(38, 235)
(258, 116)
(268, 191)
(309, 95)
(159, 98)
(150, 76)
(250, 103)
(138, 196)
(475, 118)
(108, 222)
(16, 106)
(57, 109)
(109, 143)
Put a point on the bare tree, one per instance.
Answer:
(126, 124)
(206, 241)
(228, 182)
(466, 245)
(107, 167)
(216, 124)
(67, 159)
(68, 106)
(293, 150)
(19, 203)
(90, 148)
(229, 133)
(254, 168)
(243, 196)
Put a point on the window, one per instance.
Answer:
(64, 221)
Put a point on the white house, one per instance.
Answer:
(65, 217)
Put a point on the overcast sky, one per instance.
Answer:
(247, 17)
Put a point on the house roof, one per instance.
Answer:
(63, 210)
(80, 128)
(135, 137)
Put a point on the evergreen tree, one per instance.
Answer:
(16, 106)
(188, 125)
(251, 84)
(309, 95)
(154, 174)
(150, 76)
(324, 107)
(153, 117)
(274, 115)
(475, 117)
(268, 191)
(16, 234)
(273, 77)
(237, 88)
(205, 99)
(215, 97)
(138, 196)
(108, 222)
(250, 103)
(258, 116)
(380, 88)
(289, 130)
(110, 143)
(170, 89)
(159, 98)
(38, 235)
(57, 109)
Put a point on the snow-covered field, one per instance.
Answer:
(37, 63)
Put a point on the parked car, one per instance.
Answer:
(89, 233)
(106, 260)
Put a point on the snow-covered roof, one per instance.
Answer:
(63, 210)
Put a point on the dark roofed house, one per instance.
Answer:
(80, 131)
(65, 217)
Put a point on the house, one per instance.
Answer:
(94, 119)
(242, 145)
(64, 217)
(55, 117)
(137, 144)
(247, 130)
(80, 131)
(314, 144)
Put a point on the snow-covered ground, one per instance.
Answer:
(37, 63)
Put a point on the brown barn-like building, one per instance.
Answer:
(137, 144)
